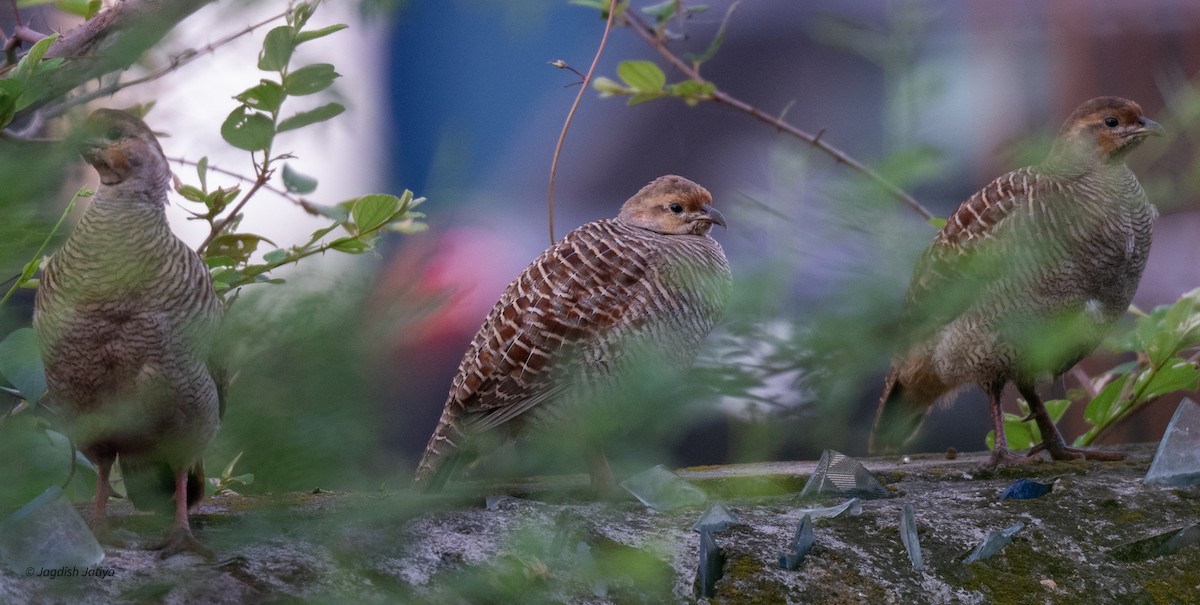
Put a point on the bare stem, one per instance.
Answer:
(562, 136)
(640, 28)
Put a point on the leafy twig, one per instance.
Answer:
(31, 267)
(641, 29)
(301, 202)
(562, 136)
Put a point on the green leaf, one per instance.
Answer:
(275, 256)
(602, 6)
(642, 97)
(337, 213)
(662, 11)
(202, 172)
(310, 79)
(80, 8)
(717, 40)
(300, 16)
(1101, 407)
(191, 194)
(21, 364)
(350, 245)
(266, 96)
(693, 91)
(238, 246)
(371, 212)
(303, 37)
(295, 182)
(642, 76)
(277, 49)
(248, 129)
(218, 261)
(1176, 375)
(937, 222)
(312, 116)
(609, 88)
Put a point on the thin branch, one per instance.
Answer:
(562, 136)
(217, 228)
(1085, 382)
(638, 26)
(304, 204)
(177, 61)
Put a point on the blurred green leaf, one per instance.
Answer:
(21, 364)
(350, 245)
(607, 87)
(238, 246)
(303, 37)
(202, 172)
(717, 40)
(295, 182)
(937, 222)
(277, 49)
(247, 129)
(266, 96)
(1101, 407)
(312, 116)
(642, 76)
(310, 79)
(1175, 375)
(275, 256)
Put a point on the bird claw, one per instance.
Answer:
(1063, 452)
(1001, 458)
(180, 540)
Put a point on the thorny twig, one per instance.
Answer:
(562, 136)
(641, 29)
(176, 62)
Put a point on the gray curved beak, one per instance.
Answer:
(714, 215)
(1152, 128)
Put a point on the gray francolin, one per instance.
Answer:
(575, 324)
(125, 314)
(1025, 279)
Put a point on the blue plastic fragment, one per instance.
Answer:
(717, 518)
(994, 542)
(1026, 489)
(908, 535)
(801, 544)
(712, 565)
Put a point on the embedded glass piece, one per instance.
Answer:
(994, 542)
(801, 544)
(852, 507)
(712, 565)
(48, 533)
(661, 489)
(1177, 461)
(839, 474)
(1159, 545)
(717, 518)
(908, 535)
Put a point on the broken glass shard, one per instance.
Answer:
(801, 544)
(500, 501)
(587, 563)
(716, 518)
(661, 489)
(993, 543)
(1025, 489)
(712, 565)
(1177, 461)
(46, 533)
(1159, 545)
(839, 474)
(908, 535)
(851, 507)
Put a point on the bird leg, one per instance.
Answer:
(1052, 440)
(180, 538)
(1001, 456)
(99, 522)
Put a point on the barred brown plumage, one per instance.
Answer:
(1025, 279)
(569, 326)
(124, 314)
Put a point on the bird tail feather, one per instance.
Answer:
(900, 414)
(442, 454)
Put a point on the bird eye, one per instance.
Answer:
(1111, 122)
(113, 133)
(676, 208)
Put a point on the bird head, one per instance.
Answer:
(1104, 130)
(123, 150)
(671, 205)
